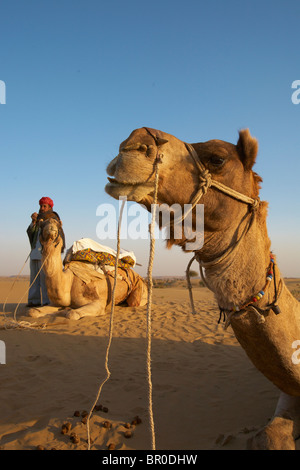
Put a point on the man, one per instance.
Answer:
(37, 295)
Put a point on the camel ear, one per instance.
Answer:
(247, 147)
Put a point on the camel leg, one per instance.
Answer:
(42, 311)
(93, 309)
(281, 432)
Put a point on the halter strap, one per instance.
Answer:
(206, 182)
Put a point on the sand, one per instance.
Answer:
(206, 393)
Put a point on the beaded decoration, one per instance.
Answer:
(261, 293)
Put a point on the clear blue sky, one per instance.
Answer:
(82, 74)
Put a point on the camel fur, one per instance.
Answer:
(90, 293)
(242, 274)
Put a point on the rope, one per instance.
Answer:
(9, 324)
(231, 248)
(15, 312)
(108, 373)
(215, 261)
(149, 306)
(189, 284)
(12, 324)
(13, 284)
(158, 160)
(206, 182)
(23, 324)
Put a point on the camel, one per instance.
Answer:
(235, 257)
(77, 286)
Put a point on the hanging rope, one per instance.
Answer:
(189, 284)
(14, 324)
(149, 326)
(9, 324)
(15, 312)
(13, 284)
(149, 305)
(108, 373)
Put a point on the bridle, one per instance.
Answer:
(205, 179)
(205, 182)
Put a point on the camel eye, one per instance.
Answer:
(216, 161)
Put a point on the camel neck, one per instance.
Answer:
(52, 260)
(58, 282)
(236, 275)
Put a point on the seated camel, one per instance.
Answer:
(78, 286)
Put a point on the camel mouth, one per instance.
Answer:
(134, 191)
(116, 182)
(51, 235)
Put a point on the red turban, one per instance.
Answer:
(46, 200)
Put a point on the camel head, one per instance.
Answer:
(132, 173)
(51, 233)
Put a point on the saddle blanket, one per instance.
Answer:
(88, 272)
(87, 249)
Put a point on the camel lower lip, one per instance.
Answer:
(121, 183)
(114, 188)
(133, 191)
(115, 183)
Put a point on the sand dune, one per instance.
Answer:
(206, 393)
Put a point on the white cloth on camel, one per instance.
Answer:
(85, 243)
